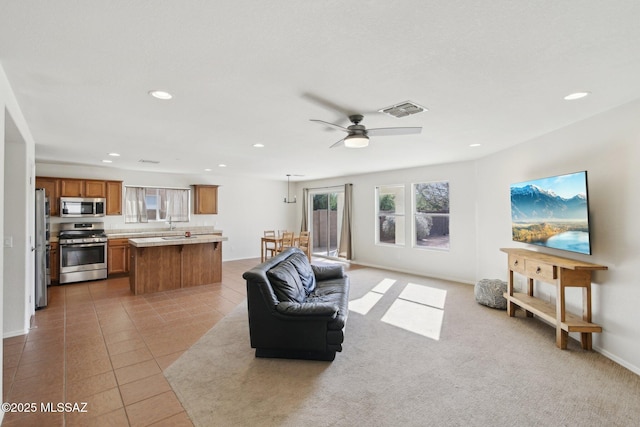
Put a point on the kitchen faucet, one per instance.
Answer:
(171, 225)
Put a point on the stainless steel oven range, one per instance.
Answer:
(83, 252)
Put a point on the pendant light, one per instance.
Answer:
(288, 198)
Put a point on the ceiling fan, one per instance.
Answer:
(358, 135)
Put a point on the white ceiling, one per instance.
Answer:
(245, 72)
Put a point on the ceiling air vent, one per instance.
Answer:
(403, 109)
(155, 162)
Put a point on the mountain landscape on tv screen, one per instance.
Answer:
(542, 217)
(532, 203)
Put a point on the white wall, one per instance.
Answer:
(9, 108)
(246, 207)
(4, 85)
(19, 279)
(456, 264)
(607, 146)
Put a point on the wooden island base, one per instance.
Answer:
(159, 265)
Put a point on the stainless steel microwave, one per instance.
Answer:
(77, 207)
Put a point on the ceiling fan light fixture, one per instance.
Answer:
(356, 141)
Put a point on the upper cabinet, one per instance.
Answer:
(74, 187)
(93, 188)
(82, 188)
(205, 199)
(114, 197)
(71, 187)
(52, 191)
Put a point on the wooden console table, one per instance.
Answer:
(563, 273)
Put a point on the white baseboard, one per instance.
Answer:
(15, 333)
(415, 273)
(619, 361)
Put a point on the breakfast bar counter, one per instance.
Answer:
(165, 263)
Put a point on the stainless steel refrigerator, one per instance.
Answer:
(42, 248)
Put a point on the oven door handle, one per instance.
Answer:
(82, 245)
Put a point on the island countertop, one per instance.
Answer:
(146, 242)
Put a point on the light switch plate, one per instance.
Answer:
(8, 241)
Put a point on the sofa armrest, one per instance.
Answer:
(308, 310)
(327, 272)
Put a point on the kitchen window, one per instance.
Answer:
(431, 215)
(157, 204)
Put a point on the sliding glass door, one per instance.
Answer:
(326, 221)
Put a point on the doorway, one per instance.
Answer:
(326, 221)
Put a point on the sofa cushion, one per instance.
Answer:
(286, 282)
(328, 272)
(301, 263)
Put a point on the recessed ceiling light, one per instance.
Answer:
(114, 154)
(222, 165)
(258, 145)
(160, 94)
(207, 170)
(576, 95)
(107, 161)
(475, 145)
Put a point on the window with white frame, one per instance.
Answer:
(431, 215)
(390, 215)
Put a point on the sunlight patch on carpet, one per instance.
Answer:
(364, 304)
(371, 298)
(383, 286)
(418, 309)
(417, 318)
(424, 295)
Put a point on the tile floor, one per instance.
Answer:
(97, 343)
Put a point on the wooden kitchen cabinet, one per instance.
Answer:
(94, 188)
(74, 187)
(54, 262)
(118, 256)
(70, 187)
(114, 197)
(52, 191)
(205, 199)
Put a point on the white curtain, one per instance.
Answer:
(178, 205)
(135, 205)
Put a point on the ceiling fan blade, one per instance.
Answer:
(393, 131)
(337, 143)
(331, 124)
(328, 105)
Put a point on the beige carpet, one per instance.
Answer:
(486, 369)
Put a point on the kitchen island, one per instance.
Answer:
(165, 263)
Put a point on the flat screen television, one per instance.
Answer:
(552, 212)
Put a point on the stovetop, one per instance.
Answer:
(84, 232)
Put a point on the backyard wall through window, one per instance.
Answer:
(390, 218)
(431, 215)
